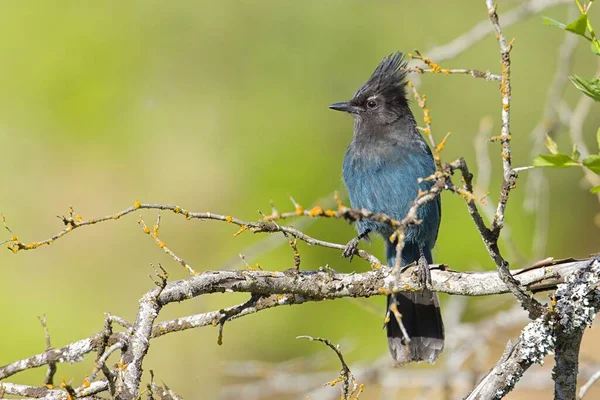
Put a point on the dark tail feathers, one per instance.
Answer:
(421, 317)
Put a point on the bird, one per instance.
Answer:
(382, 168)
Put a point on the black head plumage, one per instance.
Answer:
(382, 98)
(388, 80)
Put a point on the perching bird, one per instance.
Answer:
(381, 171)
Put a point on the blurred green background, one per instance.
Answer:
(221, 107)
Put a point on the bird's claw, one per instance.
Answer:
(423, 273)
(351, 249)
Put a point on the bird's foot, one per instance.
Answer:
(351, 248)
(423, 272)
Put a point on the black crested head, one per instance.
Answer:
(388, 80)
(382, 99)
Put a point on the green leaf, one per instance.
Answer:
(578, 26)
(576, 154)
(595, 189)
(553, 22)
(551, 145)
(595, 47)
(554, 161)
(589, 88)
(593, 163)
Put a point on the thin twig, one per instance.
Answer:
(154, 235)
(349, 385)
(49, 378)
(588, 385)
(267, 226)
(534, 308)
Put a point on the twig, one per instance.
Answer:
(101, 362)
(394, 310)
(154, 234)
(267, 226)
(349, 385)
(271, 242)
(437, 69)
(49, 378)
(534, 308)
(482, 29)
(105, 339)
(50, 394)
(588, 385)
(294, 245)
(487, 75)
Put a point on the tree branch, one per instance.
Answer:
(284, 288)
(578, 301)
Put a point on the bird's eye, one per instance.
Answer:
(371, 104)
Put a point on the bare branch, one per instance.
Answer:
(128, 379)
(435, 68)
(509, 176)
(51, 394)
(49, 379)
(349, 385)
(279, 288)
(482, 29)
(578, 301)
(267, 226)
(588, 385)
(154, 235)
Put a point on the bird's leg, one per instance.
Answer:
(352, 246)
(423, 271)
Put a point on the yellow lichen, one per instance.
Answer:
(316, 211)
(242, 229)
(137, 204)
(335, 381)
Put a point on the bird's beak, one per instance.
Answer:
(344, 106)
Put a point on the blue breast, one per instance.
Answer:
(389, 184)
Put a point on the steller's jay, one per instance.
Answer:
(381, 171)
